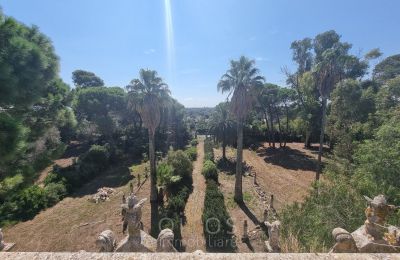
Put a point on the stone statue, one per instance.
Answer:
(165, 241)
(133, 214)
(272, 244)
(370, 237)
(376, 213)
(106, 242)
(344, 242)
(2, 245)
(137, 240)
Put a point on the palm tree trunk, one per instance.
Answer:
(153, 186)
(239, 157)
(268, 131)
(287, 125)
(223, 145)
(321, 139)
(272, 128)
(279, 126)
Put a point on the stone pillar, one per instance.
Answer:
(138, 180)
(255, 178)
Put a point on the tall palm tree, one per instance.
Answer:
(241, 81)
(147, 95)
(221, 125)
(327, 75)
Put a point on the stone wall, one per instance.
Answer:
(192, 256)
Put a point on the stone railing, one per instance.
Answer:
(192, 256)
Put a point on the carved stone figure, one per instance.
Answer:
(137, 240)
(377, 213)
(375, 236)
(272, 244)
(165, 241)
(106, 242)
(344, 242)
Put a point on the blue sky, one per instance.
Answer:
(115, 39)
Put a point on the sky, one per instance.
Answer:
(190, 42)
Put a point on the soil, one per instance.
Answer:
(287, 173)
(192, 230)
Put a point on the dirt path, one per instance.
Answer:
(192, 231)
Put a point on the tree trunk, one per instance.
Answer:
(153, 186)
(287, 125)
(307, 142)
(223, 145)
(272, 127)
(279, 126)
(321, 139)
(268, 131)
(239, 157)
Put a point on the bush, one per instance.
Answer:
(55, 192)
(194, 142)
(97, 155)
(337, 205)
(90, 164)
(215, 217)
(182, 167)
(208, 149)
(210, 171)
(192, 153)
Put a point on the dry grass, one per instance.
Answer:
(286, 173)
(60, 228)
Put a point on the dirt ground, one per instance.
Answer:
(192, 231)
(287, 173)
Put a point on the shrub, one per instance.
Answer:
(182, 166)
(55, 192)
(210, 171)
(194, 142)
(192, 153)
(208, 149)
(98, 155)
(216, 218)
(337, 205)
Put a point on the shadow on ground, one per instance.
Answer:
(116, 176)
(288, 158)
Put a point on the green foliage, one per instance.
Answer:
(216, 226)
(387, 69)
(378, 163)
(89, 165)
(337, 205)
(210, 171)
(12, 137)
(208, 149)
(182, 166)
(166, 177)
(84, 79)
(192, 153)
(27, 58)
(194, 142)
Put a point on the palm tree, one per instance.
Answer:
(147, 95)
(241, 81)
(327, 75)
(221, 125)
